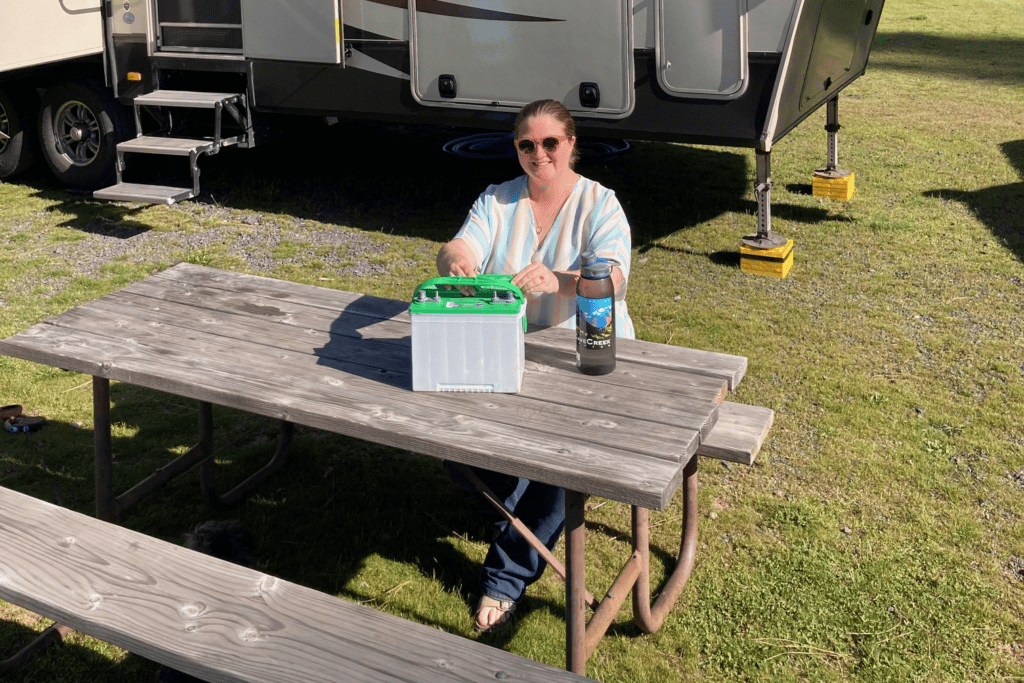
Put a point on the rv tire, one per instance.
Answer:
(18, 108)
(80, 125)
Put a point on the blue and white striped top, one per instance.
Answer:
(501, 233)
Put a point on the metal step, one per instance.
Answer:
(185, 98)
(149, 194)
(180, 147)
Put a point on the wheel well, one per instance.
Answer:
(45, 76)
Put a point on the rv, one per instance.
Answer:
(88, 84)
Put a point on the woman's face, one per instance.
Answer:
(541, 163)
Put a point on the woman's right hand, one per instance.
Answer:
(456, 259)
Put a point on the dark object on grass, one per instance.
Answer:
(10, 411)
(24, 424)
(226, 540)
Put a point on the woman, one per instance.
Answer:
(535, 228)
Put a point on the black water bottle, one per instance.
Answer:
(595, 316)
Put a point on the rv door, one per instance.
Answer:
(292, 30)
(500, 55)
(701, 47)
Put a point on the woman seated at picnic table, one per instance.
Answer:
(535, 227)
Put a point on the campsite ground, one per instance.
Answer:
(879, 537)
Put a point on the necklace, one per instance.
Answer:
(544, 218)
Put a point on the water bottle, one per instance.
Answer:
(595, 316)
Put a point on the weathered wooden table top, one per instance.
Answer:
(342, 362)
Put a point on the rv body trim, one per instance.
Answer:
(772, 121)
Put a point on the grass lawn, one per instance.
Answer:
(878, 538)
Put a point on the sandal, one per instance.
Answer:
(23, 425)
(10, 411)
(505, 608)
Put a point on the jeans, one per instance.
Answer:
(511, 564)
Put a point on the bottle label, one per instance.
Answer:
(594, 328)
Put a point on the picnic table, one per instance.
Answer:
(341, 362)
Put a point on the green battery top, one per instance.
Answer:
(494, 295)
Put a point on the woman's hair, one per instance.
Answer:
(555, 110)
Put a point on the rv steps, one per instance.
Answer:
(181, 147)
(149, 194)
(165, 103)
(186, 98)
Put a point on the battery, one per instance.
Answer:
(468, 342)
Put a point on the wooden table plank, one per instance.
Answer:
(217, 620)
(739, 433)
(662, 356)
(403, 419)
(726, 366)
(683, 404)
(316, 322)
(668, 439)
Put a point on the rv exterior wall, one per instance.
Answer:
(33, 33)
(768, 24)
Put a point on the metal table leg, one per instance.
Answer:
(582, 636)
(235, 495)
(109, 506)
(50, 636)
(575, 580)
(105, 507)
(648, 617)
(522, 529)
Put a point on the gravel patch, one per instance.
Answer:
(253, 238)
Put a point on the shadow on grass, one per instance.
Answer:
(999, 207)
(82, 211)
(336, 509)
(62, 661)
(423, 192)
(1000, 60)
(395, 178)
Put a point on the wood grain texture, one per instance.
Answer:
(669, 433)
(719, 365)
(738, 434)
(359, 407)
(218, 621)
(342, 362)
(662, 356)
(689, 406)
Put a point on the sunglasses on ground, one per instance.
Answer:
(550, 144)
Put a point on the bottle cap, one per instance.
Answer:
(594, 268)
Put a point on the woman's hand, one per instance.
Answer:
(538, 278)
(456, 259)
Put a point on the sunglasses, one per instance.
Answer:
(550, 144)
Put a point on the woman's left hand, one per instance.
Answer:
(536, 277)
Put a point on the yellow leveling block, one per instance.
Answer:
(776, 262)
(834, 185)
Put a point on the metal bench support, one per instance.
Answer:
(50, 636)
(109, 506)
(582, 636)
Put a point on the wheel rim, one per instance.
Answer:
(5, 129)
(77, 133)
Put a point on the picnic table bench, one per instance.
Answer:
(341, 362)
(219, 621)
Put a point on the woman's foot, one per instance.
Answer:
(493, 615)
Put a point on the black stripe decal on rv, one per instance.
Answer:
(450, 9)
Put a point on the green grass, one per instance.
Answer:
(878, 537)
